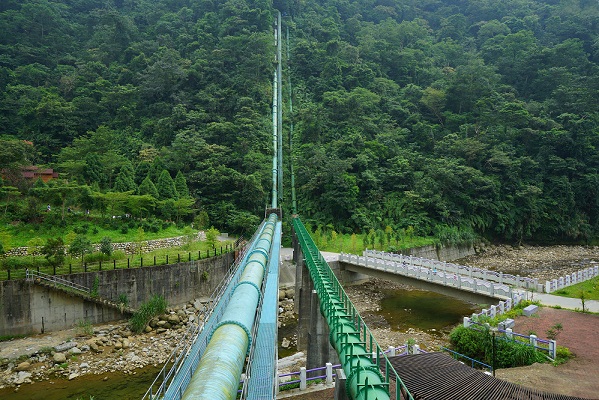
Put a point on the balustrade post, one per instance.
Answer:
(114, 263)
(329, 378)
(302, 378)
(533, 340)
(391, 351)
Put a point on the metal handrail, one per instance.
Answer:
(31, 275)
(330, 291)
(455, 353)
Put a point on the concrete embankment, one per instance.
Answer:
(29, 308)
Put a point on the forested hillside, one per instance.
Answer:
(447, 117)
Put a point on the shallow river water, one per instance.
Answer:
(423, 310)
(117, 386)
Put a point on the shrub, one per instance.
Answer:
(106, 246)
(562, 354)
(478, 344)
(156, 306)
(14, 263)
(96, 257)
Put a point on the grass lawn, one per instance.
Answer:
(589, 288)
(20, 235)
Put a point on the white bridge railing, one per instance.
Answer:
(430, 270)
(571, 279)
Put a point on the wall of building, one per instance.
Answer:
(28, 308)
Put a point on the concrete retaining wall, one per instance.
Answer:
(443, 253)
(27, 308)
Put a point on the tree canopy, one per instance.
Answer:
(480, 115)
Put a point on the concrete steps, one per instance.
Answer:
(85, 296)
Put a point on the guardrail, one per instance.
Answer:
(56, 282)
(329, 369)
(145, 260)
(455, 355)
(543, 345)
(463, 270)
(571, 279)
(429, 272)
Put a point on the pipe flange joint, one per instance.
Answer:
(239, 324)
(359, 370)
(251, 284)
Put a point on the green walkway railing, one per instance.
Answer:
(362, 360)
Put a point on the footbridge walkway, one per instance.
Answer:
(448, 278)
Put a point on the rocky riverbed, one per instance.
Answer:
(94, 350)
(543, 263)
(111, 348)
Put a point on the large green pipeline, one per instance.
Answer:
(364, 380)
(219, 371)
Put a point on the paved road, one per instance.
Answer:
(565, 302)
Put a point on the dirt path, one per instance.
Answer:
(577, 377)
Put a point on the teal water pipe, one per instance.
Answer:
(219, 370)
(364, 380)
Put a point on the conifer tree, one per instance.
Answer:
(181, 185)
(156, 169)
(148, 187)
(125, 179)
(166, 186)
(141, 171)
(93, 171)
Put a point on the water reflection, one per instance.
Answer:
(117, 386)
(422, 310)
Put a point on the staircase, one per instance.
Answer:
(73, 289)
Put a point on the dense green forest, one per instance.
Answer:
(437, 117)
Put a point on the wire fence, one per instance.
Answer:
(140, 261)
